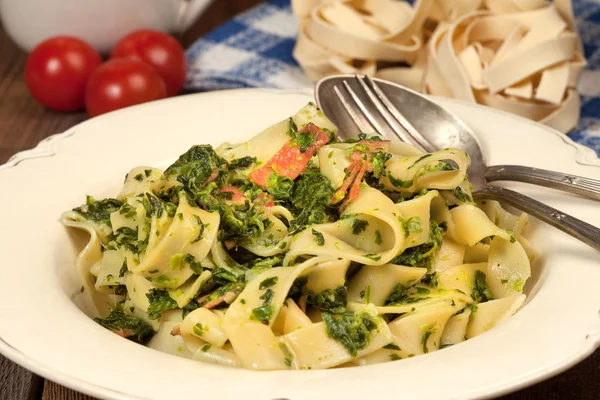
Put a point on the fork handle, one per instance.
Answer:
(580, 185)
(577, 228)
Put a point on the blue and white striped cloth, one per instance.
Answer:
(254, 49)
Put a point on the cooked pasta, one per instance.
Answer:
(295, 250)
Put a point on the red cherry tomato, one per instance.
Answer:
(57, 71)
(122, 83)
(159, 50)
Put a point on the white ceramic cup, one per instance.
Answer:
(101, 23)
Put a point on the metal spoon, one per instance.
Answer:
(442, 129)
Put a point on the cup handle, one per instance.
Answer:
(189, 11)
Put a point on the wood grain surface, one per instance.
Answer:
(23, 123)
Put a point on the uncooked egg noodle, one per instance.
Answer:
(295, 250)
(520, 56)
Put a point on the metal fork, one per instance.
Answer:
(382, 117)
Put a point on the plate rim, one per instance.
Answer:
(47, 147)
(50, 146)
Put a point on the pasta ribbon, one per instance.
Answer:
(523, 57)
(341, 240)
(192, 231)
(368, 252)
(429, 171)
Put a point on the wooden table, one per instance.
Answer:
(23, 123)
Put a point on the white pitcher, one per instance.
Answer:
(101, 23)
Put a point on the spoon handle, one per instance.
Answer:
(580, 185)
(577, 228)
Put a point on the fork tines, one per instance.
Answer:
(380, 115)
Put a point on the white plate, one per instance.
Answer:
(42, 329)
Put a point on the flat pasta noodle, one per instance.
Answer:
(521, 56)
(107, 271)
(314, 348)
(271, 241)
(493, 313)
(142, 179)
(186, 292)
(265, 144)
(455, 330)
(327, 275)
(192, 231)
(204, 324)
(416, 214)
(508, 267)
(247, 320)
(420, 333)
(138, 288)
(450, 255)
(214, 355)
(461, 278)
(290, 318)
(375, 252)
(340, 241)
(95, 303)
(165, 342)
(429, 171)
(473, 225)
(373, 284)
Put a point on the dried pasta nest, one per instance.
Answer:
(520, 56)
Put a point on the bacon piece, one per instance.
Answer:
(237, 198)
(289, 161)
(353, 170)
(359, 177)
(214, 302)
(124, 332)
(357, 169)
(213, 176)
(236, 290)
(266, 202)
(176, 330)
(376, 145)
(261, 175)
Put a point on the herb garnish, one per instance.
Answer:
(481, 290)
(242, 163)
(378, 239)
(199, 329)
(425, 336)
(358, 226)
(128, 326)
(318, 237)
(264, 312)
(123, 269)
(412, 225)
(353, 331)
(288, 356)
(460, 194)
(98, 211)
(399, 183)
(311, 201)
(160, 301)
(330, 300)
(200, 229)
(267, 283)
(422, 255)
(431, 279)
